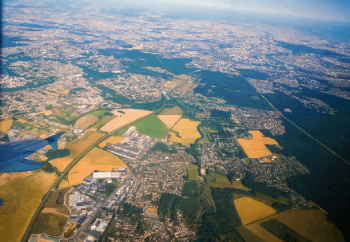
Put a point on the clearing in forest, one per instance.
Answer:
(255, 147)
(96, 159)
(123, 117)
(187, 130)
(169, 120)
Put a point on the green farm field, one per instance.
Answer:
(151, 126)
(192, 171)
(50, 223)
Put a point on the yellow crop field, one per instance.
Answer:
(172, 111)
(22, 120)
(76, 147)
(6, 125)
(169, 120)
(251, 210)
(63, 184)
(61, 163)
(312, 224)
(21, 198)
(121, 119)
(51, 93)
(48, 112)
(187, 130)
(152, 210)
(255, 148)
(86, 121)
(96, 159)
(112, 140)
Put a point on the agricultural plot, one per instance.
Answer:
(64, 114)
(312, 224)
(172, 111)
(6, 125)
(169, 120)
(255, 148)
(151, 126)
(190, 189)
(215, 180)
(121, 119)
(251, 210)
(98, 113)
(96, 159)
(188, 206)
(206, 135)
(112, 140)
(76, 147)
(64, 184)
(187, 130)
(192, 172)
(86, 121)
(21, 198)
(103, 121)
(51, 93)
(50, 223)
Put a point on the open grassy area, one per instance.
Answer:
(96, 159)
(206, 135)
(69, 230)
(192, 171)
(214, 180)
(86, 121)
(98, 113)
(22, 196)
(151, 126)
(172, 111)
(50, 223)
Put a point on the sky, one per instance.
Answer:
(336, 10)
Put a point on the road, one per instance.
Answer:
(66, 171)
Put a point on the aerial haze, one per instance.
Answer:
(192, 120)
